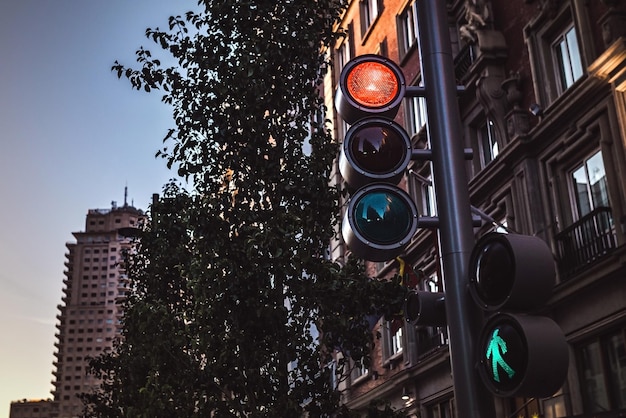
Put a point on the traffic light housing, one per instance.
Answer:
(425, 308)
(519, 354)
(369, 85)
(381, 218)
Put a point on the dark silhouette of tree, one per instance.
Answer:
(234, 311)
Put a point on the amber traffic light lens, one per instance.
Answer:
(372, 84)
(378, 149)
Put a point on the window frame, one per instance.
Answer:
(566, 79)
(541, 35)
(408, 30)
(391, 349)
(369, 12)
(416, 112)
(488, 142)
(607, 374)
(577, 210)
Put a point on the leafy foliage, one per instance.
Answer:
(234, 309)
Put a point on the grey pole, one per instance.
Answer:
(472, 399)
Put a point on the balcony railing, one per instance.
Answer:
(462, 62)
(585, 242)
(430, 339)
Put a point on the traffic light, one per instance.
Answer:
(519, 354)
(381, 218)
(425, 308)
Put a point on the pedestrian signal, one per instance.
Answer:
(519, 354)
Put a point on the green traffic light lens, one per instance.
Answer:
(494, 272)
(505, 355)
(378, 149)
(383, 217)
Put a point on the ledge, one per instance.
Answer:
(611, 65)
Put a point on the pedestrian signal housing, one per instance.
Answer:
(519, 353)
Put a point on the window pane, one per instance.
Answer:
(373, 7)
(417, 114)
(590, 185)
(574, 54)
(564, 65)
(396, 341)
(597, 180)
(617, 364)
(489, 142)
(428, 193)
(554, 407)
(579, 177)
(593, 384)
(568, 58)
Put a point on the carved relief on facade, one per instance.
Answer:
(613, 22)
(476, 17)
(549, 7)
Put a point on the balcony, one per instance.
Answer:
(585, 242)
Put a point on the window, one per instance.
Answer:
(428, 197)
(589, 185)
(557, 57)
(407, 28)
(487, 142)
(396, 339)
(357, 371)
(416, 113)
(603, 373)
(393, 342)
(369, 12)
(567, 57)
(343, 55)
(441, 409)
(555, 407)
(422, 190)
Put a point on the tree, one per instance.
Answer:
(234, 310)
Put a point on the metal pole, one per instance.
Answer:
(472, 399)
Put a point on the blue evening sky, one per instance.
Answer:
(72, 136)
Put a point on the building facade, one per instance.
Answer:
(33, 408)
(544, 111)
(89, 318)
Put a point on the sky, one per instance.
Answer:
(72, 137)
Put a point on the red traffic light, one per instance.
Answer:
(369, 85)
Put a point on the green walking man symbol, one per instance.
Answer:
(495, 350)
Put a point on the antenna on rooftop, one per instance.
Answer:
(125, 195)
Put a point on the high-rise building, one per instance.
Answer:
(544, 111)
(89, 318)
